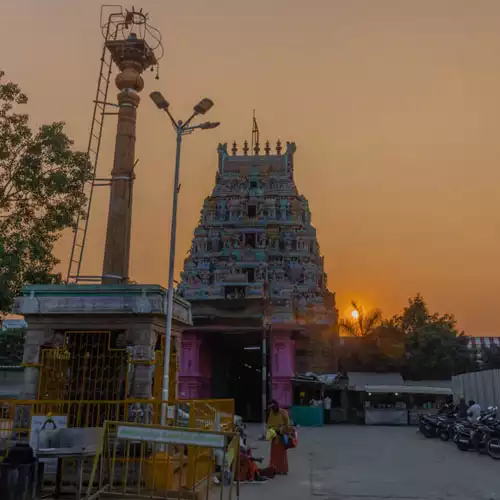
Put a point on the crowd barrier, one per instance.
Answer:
(151, 462)
(186, 471)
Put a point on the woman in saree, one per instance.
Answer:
(279, 422)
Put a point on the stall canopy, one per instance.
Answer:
(359, 380)
(407, 389)
(326, 379)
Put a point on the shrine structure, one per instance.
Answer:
(255, 269)
(99, 338)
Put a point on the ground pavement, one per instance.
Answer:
(375, 463)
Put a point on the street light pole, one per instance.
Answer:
(181, 128)
(171, 268)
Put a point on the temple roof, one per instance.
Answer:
(255, 239)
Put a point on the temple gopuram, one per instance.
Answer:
(255, 274)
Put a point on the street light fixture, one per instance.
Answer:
(181, 128)
(207, 125)
(159, 100)
(203, 106)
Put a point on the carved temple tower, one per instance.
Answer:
(255, 266)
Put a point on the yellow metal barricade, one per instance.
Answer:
(150, 462)
(16, 415)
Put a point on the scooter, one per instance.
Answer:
(477, 435)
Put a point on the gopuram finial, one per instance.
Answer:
(278, 147)
(245, 148)
(255, 136)
(234, 149)
(267, 149)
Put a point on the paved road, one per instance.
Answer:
(377, 463)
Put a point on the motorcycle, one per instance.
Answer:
(493, 443)
(427, 425)
(457, 427)
(477, 435)
(432, 425)
(445, 426)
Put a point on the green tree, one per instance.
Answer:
(363, 323)
(41, 194)
(435, 349)
(375, 344)
(490, 357)
(11, 347)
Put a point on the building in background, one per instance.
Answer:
(255, 271)
(479, 343)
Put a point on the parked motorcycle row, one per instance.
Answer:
(482, 436)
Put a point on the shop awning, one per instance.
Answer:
(408, 389)
(358, 380)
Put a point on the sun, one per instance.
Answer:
(355, 314)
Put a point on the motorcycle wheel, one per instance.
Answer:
(493, 448)
(427, 433)
(444, 435)
(462, 446)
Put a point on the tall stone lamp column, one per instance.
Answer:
(132, 56)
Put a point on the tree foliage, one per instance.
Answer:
(364, 324)
(490, 357)
(435, 348)
(11, 347)
(417, 343)
(376, 346)
(41, 180)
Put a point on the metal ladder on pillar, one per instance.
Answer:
(93, 149)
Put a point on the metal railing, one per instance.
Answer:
(16, 415)
(156, 462)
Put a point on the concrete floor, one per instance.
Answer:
(375, 463)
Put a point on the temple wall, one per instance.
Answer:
(282, 367)
(195, 372)
(254, 262)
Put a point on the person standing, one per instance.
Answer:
(279, 422)
(462, 408)
(474, 411)
(327, 405)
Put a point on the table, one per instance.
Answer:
(79, 453)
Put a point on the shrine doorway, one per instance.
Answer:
(237, 371)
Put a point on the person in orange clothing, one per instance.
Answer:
(279, 422)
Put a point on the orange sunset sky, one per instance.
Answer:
(394, 106)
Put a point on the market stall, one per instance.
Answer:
(309, 391)
(401, 404)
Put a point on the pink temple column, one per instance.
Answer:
(195, 372)
(282, 367)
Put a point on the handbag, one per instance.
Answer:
(292, 439)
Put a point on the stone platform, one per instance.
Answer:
(136, 311)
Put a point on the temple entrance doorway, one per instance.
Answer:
(237, 372)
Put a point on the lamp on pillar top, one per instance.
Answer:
(133, 52)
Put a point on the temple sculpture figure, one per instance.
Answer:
(254, 271)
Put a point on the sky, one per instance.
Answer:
(394, 107)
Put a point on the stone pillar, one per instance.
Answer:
(143, 356)
(190, 375)
(132, 57)
(282, 367)
(143, 342)
(35, 339)
(117, 249)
